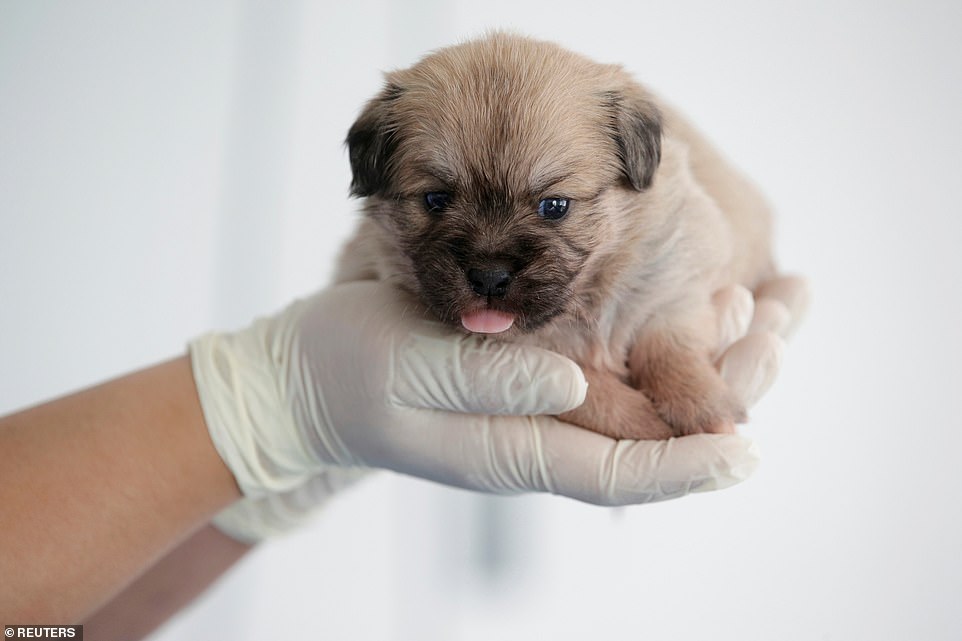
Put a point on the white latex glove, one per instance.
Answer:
(751, 332)
(356, 377)
(251, 520)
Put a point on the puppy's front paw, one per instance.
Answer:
(687, 392)
(697, 407)
(617, 410)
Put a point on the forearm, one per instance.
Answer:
(96, 486)
(167, 587)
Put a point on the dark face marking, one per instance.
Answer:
(451, 253)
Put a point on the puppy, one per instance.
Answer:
(521, 190)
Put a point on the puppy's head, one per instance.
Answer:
(492, 169)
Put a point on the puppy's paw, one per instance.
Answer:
(698, 408)
(617, 410)
(687, 392)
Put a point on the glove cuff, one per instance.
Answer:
(243, 388)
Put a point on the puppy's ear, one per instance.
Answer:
(636, 128)
(371, 143)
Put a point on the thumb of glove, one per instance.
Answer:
(480, 376)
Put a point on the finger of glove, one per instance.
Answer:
(794, 292)
(751, 365)
(593, 468)
(507, 455)
(474, 375)
(734, 308)
(771, 315)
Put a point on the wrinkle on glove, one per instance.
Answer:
(483, 376)
(246, 404)
(251, 520)
(635, 472)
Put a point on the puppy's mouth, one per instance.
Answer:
(489, 303)
(487, 320)
(491, 316)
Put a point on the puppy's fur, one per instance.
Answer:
(622, 284)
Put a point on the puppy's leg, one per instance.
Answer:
(674, 370)
(617, 410)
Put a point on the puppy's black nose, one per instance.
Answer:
(489, 282)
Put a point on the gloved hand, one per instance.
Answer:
(356, 377)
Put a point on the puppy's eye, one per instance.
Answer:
(553, 208)
(437, 201)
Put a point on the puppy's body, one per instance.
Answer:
(655, 222)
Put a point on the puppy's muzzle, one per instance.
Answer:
(490, 281)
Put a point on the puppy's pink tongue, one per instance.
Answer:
(487, 321)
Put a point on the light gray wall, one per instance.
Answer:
(166, 168)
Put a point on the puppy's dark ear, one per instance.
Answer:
(636, 128)
(371, 143)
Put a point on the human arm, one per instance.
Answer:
(98, 485)
(200, 560)
(167, 587)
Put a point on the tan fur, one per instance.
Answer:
(622, 284)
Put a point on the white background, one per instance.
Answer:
(167, 168)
